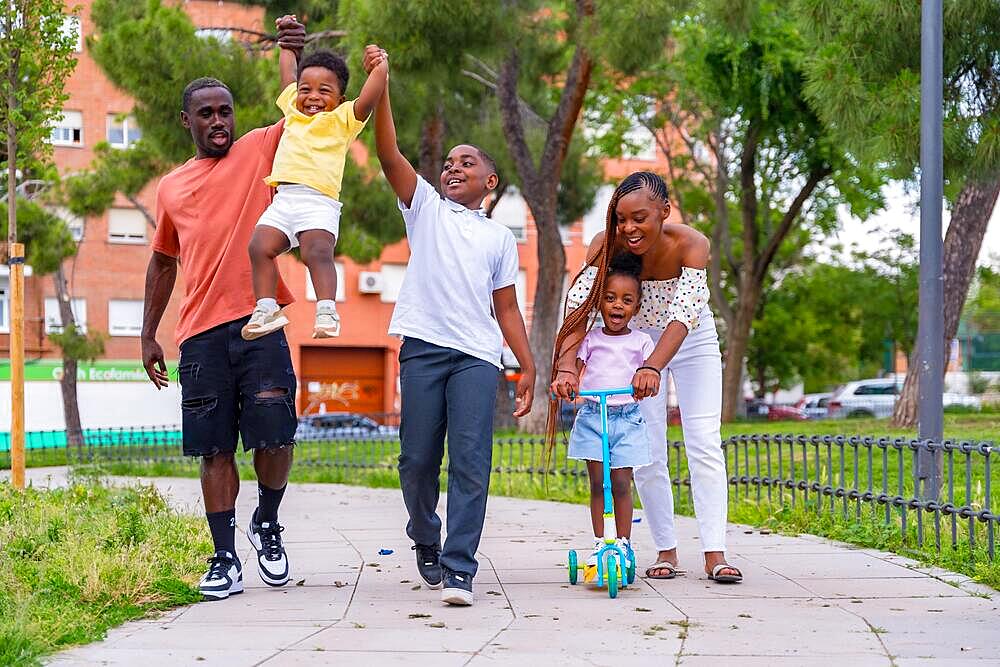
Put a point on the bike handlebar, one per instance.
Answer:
(606, 392)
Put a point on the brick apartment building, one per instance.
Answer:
(357, 371)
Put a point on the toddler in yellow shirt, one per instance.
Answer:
(307, 171)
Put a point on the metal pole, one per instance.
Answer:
(930, 330)
(17, 364)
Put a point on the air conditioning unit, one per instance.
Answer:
(370, 282)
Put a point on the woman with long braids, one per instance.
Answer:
(674, 311)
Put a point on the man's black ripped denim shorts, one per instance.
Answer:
(233, 388)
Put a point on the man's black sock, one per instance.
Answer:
(223, 527)
(268, 500)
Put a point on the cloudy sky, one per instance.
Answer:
(902, 213)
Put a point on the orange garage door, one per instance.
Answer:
(342, 379)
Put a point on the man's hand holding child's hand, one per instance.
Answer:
(374, 56)
(291, 33)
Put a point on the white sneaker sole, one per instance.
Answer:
(215, 596)
(319, 332)
(256, 332)
(456, 596)
(265, 576)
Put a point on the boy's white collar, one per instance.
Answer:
(458, 208)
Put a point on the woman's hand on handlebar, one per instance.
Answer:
(645, 383)
(566, 385)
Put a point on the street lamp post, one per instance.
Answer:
(931, 322)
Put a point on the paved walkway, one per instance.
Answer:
(806, 601)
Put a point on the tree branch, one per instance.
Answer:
(762, 262)
(570, 102)
(513, 128)
(525, 109)
(266, 40)
(142, 209)
(748, 194)
(721, 205)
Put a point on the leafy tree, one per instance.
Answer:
(751, 163)
(864, 79)
(151, 50)
(48, 242)
(512, 78)
(982, 310)
(36, 58)
(808, 331)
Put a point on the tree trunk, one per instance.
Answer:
(969, 219)
(737, 341)
(432, 147)
(11, 174)
(545, 313)
(67, 383)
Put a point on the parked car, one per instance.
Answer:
(864, 398)
(773, 412)
(815, 406)
(341, 425)
(877, 398)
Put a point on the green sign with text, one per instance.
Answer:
(51, 370)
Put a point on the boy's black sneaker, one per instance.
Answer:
(457, 588)
(429, 563)
(272, 563)
(224, 577)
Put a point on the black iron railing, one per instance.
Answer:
(850, 478)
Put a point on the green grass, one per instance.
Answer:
(519, 473)
(984, 426)
(86, 558)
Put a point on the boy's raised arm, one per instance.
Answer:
(372, 91)
(397, 169)
(288, 63)
(291, 40)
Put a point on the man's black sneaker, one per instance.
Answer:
(457, 588)
(224, 577)
(429, 564)
(272, 563)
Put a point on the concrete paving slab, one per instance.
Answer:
(805, 601)
(857, 660)
(419, 638)
(232, 657)
(919, 587)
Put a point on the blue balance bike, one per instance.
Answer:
(611, 560)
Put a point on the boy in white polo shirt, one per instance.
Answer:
(455, 307)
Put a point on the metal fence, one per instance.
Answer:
(850, 479)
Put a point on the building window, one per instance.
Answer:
(125, 317)
(126, 225)
(74, 223)
(512, 212)
(53, 320)
(4, 306)
(311, 293)
(68, 130)
(123, 131)
(392, 282)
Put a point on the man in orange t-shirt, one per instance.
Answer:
(231, 389)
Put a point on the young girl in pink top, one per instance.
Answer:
(608, 358)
